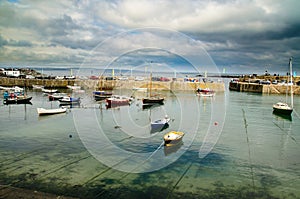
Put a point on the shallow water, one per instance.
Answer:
(92, 151)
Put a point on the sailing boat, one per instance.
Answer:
(152, 99)
(101, 94)
(281, 107)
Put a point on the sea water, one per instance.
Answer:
(93, 152)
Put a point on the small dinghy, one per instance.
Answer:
(172, 138)
(43, 111)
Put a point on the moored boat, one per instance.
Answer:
(49, 90)
(173, 138)
(282, 107)
(153, 100)
(37, 87)
(67, 100)
(43, 111)
(56, 96)
(160, 124)
(117, 100)
(205, 92)
(101, 95)
(16, 98)
(75, 87)
(21, 99)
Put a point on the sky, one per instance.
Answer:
(242, 36)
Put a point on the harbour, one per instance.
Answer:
(50, 154)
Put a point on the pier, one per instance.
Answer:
(175, 85)
(262, 88)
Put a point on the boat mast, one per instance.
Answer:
(291, 75)
(150, 84)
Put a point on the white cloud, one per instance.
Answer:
(197, 16)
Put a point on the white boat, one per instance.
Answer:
(43, 111)
(49, 90)
(56, 96)
(173, 137)
(160, 124)
(75, 87)
(283, 107)
(138, 89)
(37, 87)
(15, 89)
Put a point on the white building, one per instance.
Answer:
(12, 72)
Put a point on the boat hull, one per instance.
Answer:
(153, 100)
(69, 101)
(18, 101)
(282, 111)
(42, 111)
(101, 97)
(116, 103)
(173, 138)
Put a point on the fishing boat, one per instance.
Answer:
(283, 107)
(173, 137)
(160, 124)
(19, 99)
(205, 92)
(16, 98)
(56, 96)
(67, 100)
(43, 111)
(152, 99)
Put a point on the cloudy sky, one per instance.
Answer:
(248, 36)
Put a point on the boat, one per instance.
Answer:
(16, 98)
(101, 95)
(37, 87)
(67, 100)
(56, 96)
(152, 99)
(283, 107)
(43, 111)
(117, 100)
(159, 125)
(140, 89)
(75, 87)
(173, 137)
(49, 90)
(15, 89)
(205, 92)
